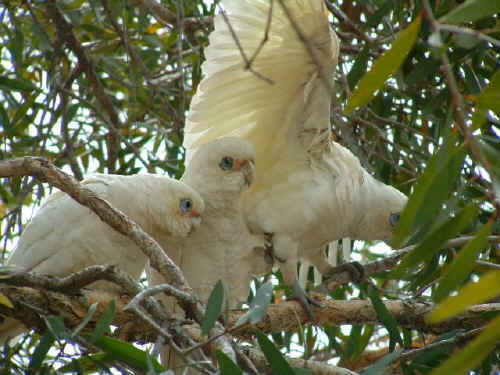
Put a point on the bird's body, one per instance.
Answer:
(223, 247)
(64, 236)
(308, 190)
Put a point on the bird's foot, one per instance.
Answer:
(305, 300)
(355, 270)
(268, 238)
(270, 254)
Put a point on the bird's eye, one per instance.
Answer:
(393, 219)
(186, 205)
(226, 163)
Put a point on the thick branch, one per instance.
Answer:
(285, 316)
(410, 314)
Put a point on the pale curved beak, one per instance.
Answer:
(247, 169)
(196, 220)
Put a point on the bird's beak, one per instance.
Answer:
(196, 220)
(246, 167)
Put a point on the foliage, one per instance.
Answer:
(104, 86)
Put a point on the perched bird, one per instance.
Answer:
(308, 189)
(223, 247)
(64, 236)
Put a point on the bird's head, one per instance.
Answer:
(184, 209)
(226, 164)
(381, 213)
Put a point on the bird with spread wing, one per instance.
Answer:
(308, 190)
(64, 236)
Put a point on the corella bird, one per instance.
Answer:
(64, 236)
(222, 248)
(308, 190)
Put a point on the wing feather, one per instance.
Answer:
(232, 101)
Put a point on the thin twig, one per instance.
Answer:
(458, 102)
(325, 79)
(343, 17)
(458, 339)
(65, 32)
(240, 48)
(334, 279)
(162, 288)
(462, 30)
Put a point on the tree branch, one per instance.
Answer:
(315, 367)
(285, 316)
(334, 278)
(65, 32)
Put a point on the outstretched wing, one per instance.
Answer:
(299, 57)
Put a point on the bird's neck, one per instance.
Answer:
(216, 196)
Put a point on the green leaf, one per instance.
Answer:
(102, 325)
(214, 308)
(463, 264)
(87, 363)
(17, 47)
(364, 340)
(16, 84)
(5, 301)
(432, 188)
(128, 353)
(432, 242)
(4, 118)
(258, 306)
(84, 322)
(226, 365)
(386, 318)
(474, 353)
(359, 67)
(353, 341)
(486, 288)
(55, 325)
(491, 157)
(41, 351)
(488, 99)
(380, 366)
(375, 19)
(278, 363)
(384, 67)
(471, 10)
(300, 371)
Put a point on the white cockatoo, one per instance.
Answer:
(64, 236)
(307, 190)
(222, 248)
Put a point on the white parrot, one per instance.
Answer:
(64, 236)
(222, 248)
(308, 190)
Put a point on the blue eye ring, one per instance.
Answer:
(226, 163)
(186, 205)
(394, 218)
